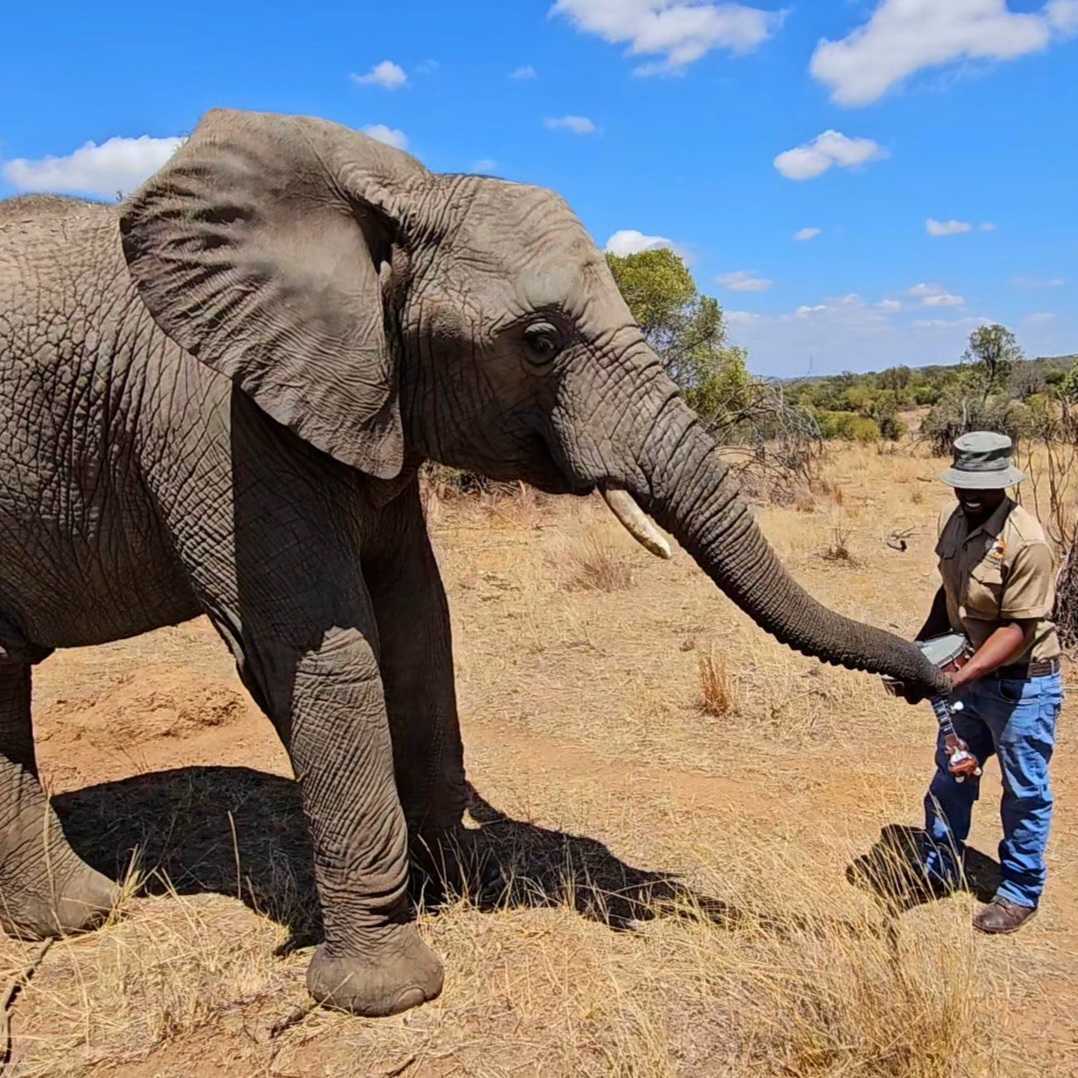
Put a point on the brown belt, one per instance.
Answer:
(1024, 671)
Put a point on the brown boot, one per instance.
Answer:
(1000, 917)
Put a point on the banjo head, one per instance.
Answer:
(944, 652)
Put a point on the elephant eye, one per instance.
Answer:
(542, 342)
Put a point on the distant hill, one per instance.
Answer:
(1037, 368)
(867, 406)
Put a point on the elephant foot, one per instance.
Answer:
(401, 973)
(81, 903)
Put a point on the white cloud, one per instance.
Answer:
(388, 75)
(678, 31)
(526, 71)
(947, 228)
(906, 36)
(851, 333)
(955, 228)
(1038, 282)
(391, 136)
(744, 281)
(579, 125)
(118, 164)
(485, 165)
(803, 234)
(814, 158)
(934, 295)
(627, 241)
(1040, 317)
(1063, 15)
(949, 323)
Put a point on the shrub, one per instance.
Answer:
(885, 413)
(849, 426)
(960, 411)
(865, 430)
(839, 547)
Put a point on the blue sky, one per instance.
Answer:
(933, 143)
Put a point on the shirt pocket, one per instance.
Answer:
(984, 591)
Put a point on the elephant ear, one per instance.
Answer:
(258, 247)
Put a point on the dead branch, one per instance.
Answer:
(9, 997)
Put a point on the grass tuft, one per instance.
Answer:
(718, 687)
(599, 563)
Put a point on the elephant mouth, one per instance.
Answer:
(620, 502)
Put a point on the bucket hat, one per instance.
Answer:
(982, 461)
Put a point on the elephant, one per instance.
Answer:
(216, 396)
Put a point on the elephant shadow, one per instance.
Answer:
(891, 871)
(241, 832)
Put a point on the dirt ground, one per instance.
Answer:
(677, 892)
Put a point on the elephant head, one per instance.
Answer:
(381, 311)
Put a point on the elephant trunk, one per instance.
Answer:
(688, 490)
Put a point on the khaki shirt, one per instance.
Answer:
(1002, 571)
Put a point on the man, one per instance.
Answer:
(998, 588)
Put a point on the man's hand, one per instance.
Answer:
(1004, 645)
(967, 764)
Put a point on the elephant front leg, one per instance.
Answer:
(372, 961)
(416, 659)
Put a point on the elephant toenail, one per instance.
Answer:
(407, 999)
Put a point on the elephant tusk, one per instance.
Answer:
(636, 523)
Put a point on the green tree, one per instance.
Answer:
(1066, 388)
(992, 352)
(979, 398)
(885, 413)
(895, 378)
(686, 330)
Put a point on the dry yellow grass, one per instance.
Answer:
(679, 892)
(598, 562)
(718, 686)
(765, 967)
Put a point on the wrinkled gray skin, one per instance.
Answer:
(214, 398)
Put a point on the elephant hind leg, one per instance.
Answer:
(45, 888)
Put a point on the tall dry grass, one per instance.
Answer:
(570, 964)
(718, 685)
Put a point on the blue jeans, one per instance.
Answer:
(1016, 719)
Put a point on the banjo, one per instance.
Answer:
(948, 653)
